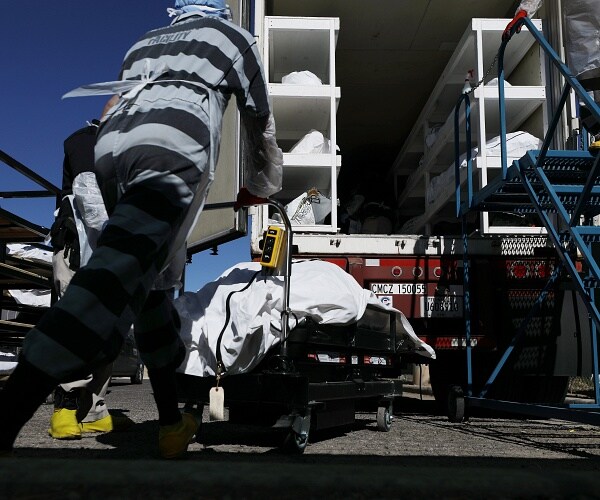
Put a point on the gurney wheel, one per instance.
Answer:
(384, 419)
(295, 443)
(456, 404)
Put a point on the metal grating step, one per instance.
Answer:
(521, 203)
(567, 161)
(587, 238)
(591, 282)
(567, 172)
(560, 167)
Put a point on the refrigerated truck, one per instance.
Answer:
(388, 74)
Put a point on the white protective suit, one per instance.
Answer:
(581, 34)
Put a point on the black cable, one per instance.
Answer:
(228, 317)
(289, 331)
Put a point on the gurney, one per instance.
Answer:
(297, 365)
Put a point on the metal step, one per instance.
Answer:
(589, 234)
(560, 180)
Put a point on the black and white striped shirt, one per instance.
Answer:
(211, 51)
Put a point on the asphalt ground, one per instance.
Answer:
(423, 455)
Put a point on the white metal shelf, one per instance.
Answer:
(295, 44)
(521, 102)
(311, 160)
(295, 177)
(476, 50)
(300, 108)
(303, 91)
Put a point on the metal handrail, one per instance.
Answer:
(287, 274)
(463, 97)
(50, 189)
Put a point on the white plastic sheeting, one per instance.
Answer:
(582, 38)
(301, 78)
(29, 252)
(581, 33)
(314, 142)
(31, 297)
(90, 213)
(319, 290)
(310, 207)
(8, 362)
(517, 144)
(36, 298)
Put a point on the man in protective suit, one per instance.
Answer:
(155, 156)
(581, 33)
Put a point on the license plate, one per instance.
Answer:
(449, 306)
(399, 288)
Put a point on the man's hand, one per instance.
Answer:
(510, 26)
(245, 199)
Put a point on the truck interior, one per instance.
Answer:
(388, 60)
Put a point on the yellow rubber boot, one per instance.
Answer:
(173, 440)
(107, 424)
(64, 425)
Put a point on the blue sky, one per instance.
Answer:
(48, 48)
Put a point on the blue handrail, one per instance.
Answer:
(568, 218)
(463, 97)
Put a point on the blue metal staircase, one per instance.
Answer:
(563, 188)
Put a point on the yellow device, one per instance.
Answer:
(272, 247)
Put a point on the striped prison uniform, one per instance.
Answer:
(154, 158)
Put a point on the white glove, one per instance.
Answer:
(264, 169)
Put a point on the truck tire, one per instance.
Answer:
(447, 371)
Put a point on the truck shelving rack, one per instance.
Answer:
(428, 152)
(563, 189)
(19, 273)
